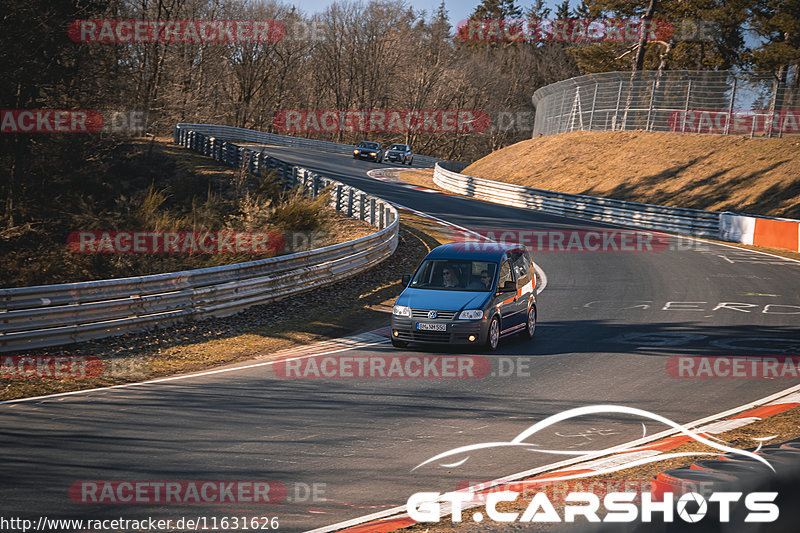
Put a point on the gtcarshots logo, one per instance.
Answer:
(380, 366)
(619, 507)
(199, 492)
(381, 121)
(176, 31)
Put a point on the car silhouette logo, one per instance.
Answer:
(432, 314)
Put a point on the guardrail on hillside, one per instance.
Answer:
(51, 315)
(676, 220)
(233, 134)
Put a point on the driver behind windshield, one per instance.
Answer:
(450, 277)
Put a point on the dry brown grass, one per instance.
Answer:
(712, 172)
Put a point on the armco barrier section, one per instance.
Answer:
(760, 231)
(51, 315)
(676, 220)
(233, 134)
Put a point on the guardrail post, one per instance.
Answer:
(652, 100)
(594, 100)
(176, 134)
(730, 108)
(338, 197)
(315, 185)
(381, 214)
(362, 199)
(686, 105)
(294, 177)
(350, 202)
(372, 211)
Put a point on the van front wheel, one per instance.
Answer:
(530, 325)
(493, 336)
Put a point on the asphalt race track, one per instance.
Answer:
(608, 324)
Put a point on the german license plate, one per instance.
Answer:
(431, 327)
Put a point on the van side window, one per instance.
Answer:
(529, 262)
(520, 265)
(505, 273)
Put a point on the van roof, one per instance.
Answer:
(476, 251)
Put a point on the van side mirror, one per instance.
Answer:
(406, 279)
(508, 286)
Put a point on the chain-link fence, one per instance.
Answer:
(722, 102)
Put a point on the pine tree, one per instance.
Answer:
(777, 22)
(496, 9)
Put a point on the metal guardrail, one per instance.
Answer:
(51, 315)
(672, 219)
(720, 102)
(233, 134)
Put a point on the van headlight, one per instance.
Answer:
(471, 314)
(401, 310)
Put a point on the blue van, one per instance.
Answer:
(467, 293)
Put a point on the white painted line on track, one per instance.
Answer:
(188, 376)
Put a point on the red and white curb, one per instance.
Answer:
(397, 518)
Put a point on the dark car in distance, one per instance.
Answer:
(400, 153)
(467, 293)
(368, 150)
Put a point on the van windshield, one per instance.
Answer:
(455, 275)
